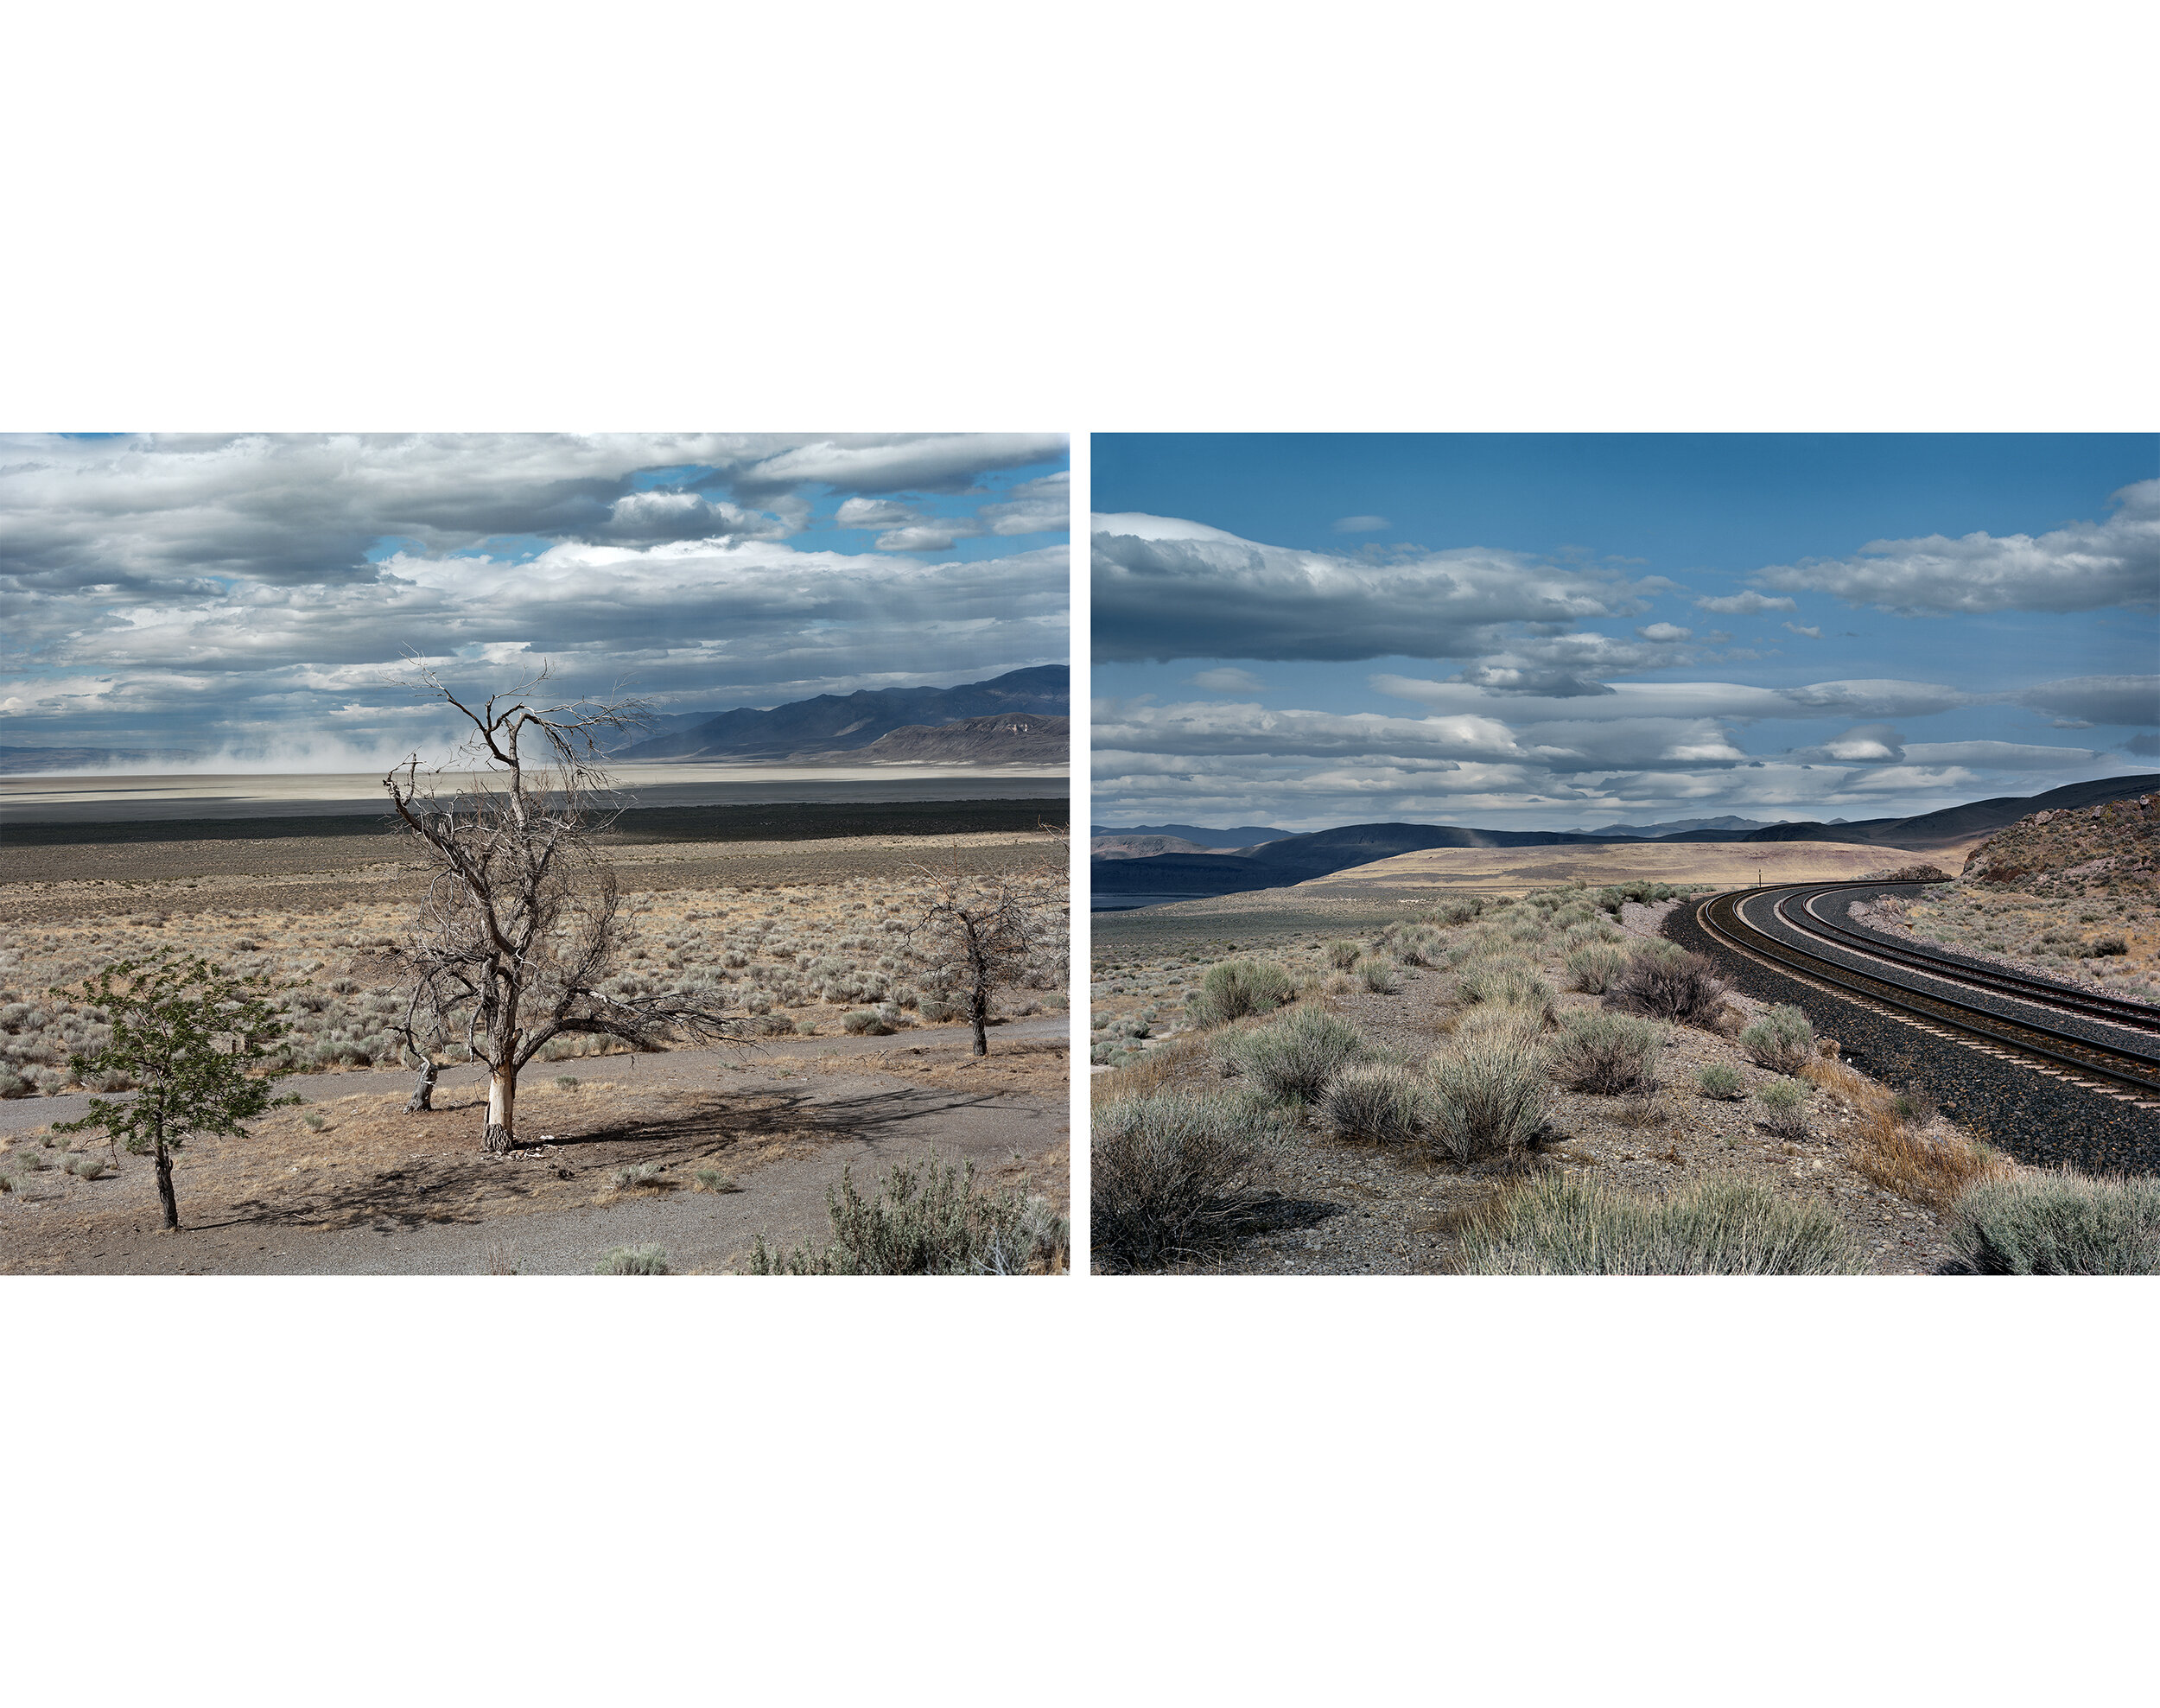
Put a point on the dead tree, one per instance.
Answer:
(987, 926)
(520, 929)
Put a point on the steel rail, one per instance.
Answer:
(1723, 922)
(1960, 969)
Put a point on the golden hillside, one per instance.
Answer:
(1725, 865)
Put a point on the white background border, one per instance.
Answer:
(1163, 217)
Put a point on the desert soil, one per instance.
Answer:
(794, 934)
(348, 1184)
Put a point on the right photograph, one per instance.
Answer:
(1625, 854)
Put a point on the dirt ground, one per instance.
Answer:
(1349, 1208)
(348, 1184)
(793, 935)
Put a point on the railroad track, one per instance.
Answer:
(2104, 1043)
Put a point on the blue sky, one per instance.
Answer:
(1552, 629)
(248, 597)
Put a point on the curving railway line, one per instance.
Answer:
(2100, 1044)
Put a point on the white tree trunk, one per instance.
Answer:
(502, 1109)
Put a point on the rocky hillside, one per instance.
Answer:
(2103, 849)
(1007, 738)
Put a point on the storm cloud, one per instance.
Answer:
(239, 589)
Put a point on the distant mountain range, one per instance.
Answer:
(842, 722)
(1293, 860)
(1244, 836)
(1674, 827)
(21, 761)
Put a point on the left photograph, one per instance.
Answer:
(534, 853)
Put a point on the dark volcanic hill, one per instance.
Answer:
(1931, 830)
(1007, 738)
(1294, 858)
(1731, 828)
(1240, 836)
(832, 722)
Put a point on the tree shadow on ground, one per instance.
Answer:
(466, 1186)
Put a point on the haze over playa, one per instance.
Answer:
(1565, 632)
(230, 604)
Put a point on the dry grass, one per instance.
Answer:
(1926, 1162)
(1037, 1066)
(1156, 1071)
(800, 932)
(1708, 866)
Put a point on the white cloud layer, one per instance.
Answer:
(2084, 566)
(229, 589)
(1166, 587)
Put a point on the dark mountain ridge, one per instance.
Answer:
(831, 722)
(1930, 830)
(1294, 858)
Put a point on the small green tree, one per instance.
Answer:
(193, 1038)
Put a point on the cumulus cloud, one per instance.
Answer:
(1043, 506)
(646, 518)
(242, 584)
(1213, 728)
(939, 462)
(1166, 587)
(1812, 633)
(1746, 605)
(2083, 566)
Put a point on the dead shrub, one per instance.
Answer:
(1667, 982)
(1930, 1165)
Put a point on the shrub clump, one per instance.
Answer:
(1783, 1040)
(1720, 1080)
(633, 1261)
(1505, 980)
(1167, 1179)
(1376, 973)
(1594, 966)
(2059, 1223)
(1780, 1105)
(1342, 953)
(858, 1022)
(1381, 1102)
(1560, 1224)
(1667, 982)
(931, 1221)
(1607, 1054)
(1489, 1097)
(1292, 1057)
(1232, 989)
(713, 1180)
